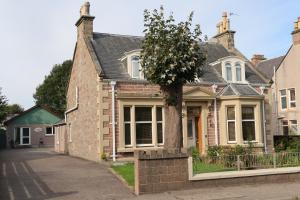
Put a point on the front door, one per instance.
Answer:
(194, 126)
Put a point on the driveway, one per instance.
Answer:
(43, 174)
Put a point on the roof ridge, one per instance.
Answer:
(120, 35)
(270, 59)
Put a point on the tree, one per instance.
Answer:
(3, 104)
(52, 92)
(14, 109)
(171, 57)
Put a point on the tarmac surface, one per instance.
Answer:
(43, 174)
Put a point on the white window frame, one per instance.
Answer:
(286, 99)
(249, 120)
(293, 125)
(234, 63)
(290, 100)
(231, 120)
(21, 135)
(52, 131)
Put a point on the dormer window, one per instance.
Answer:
(233, 70)
(131, 62)
(135, 67)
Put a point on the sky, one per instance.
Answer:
(37, 34)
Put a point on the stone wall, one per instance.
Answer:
(159, 171)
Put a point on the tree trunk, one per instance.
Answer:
(173, 117)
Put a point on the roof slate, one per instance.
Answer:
(110, 48)
(267, 67)
(238, 90)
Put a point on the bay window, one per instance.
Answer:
(285, 127)
(248, 123)
(143, 126)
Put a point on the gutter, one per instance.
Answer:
(113, 123)
(74, 108)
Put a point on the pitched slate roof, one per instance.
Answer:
(238, 90)
(267, 67)
(110, 48)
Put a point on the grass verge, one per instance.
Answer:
(126, 171)
(201, 167)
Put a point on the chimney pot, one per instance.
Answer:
(85, 9)
(257, 58)
(296, 32)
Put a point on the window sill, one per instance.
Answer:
(47, 135)
(125, 150)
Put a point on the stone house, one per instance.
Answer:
(32, 128)
(282, 73)
(112, 110)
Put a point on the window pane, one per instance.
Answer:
(248, 131)
(159, 133)
(294, 127)
(18, 136)
(143, 114)
(135, 67)
(127, 114)
(25, 132)
(282, 92)
(49, 130)
(228, 72)
(230, 113)
(144, 133)
(127, 134)
(285, 130)
(283, 103)
(238, 73)
(292, 95)
(159, 113)
(26, 140)
(247, 113)
(231, 131)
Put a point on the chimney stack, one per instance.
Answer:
(296, 32)
(225, 36)
(257, 58)
(85, 22)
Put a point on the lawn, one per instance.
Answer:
(201, 167)
(126, 171)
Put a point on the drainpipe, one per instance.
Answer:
(276, 100)
(113, 123)
(264, 120)
(75, 107)
(214, 87)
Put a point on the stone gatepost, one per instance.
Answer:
(159, 171)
